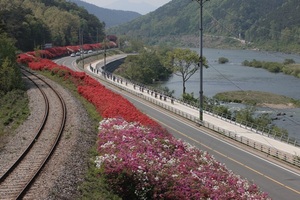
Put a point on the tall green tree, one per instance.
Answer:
(184, 63)
(145, 67)
(10, 76)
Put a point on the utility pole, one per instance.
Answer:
(105, 53)
(82, 51)
(97, 40)
(80, 41)
(201, 100)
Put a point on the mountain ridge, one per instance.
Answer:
(261, 25)
(139, 7)
(108, 16)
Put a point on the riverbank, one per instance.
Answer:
(258, 98)
(278, 106)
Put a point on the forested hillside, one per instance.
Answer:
(109, 17)
(32, 23)
(273, 26)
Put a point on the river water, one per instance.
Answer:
(232, 76)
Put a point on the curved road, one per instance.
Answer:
(279, 181)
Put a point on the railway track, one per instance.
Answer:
(16, 181)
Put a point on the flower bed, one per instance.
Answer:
(141, 160)
(142, 163)
(107, 103)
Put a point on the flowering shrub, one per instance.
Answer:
(25, 58)
(58, 51)
(73, 48)
(107, 103)
(110, 105)
(144, 163)
(42, 64)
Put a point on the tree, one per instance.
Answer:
(10, 76)
(132, 46)
(145, 67)
(245, 115)
(189, 98)
(184, 63)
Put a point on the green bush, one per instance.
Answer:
(270, 66)
(288, 61)
(13, 110)
(223, 60)
(189, 98)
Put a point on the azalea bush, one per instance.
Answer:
(25, 58)
(56, 52)
(144, 163)
(110, 105)
(107, 103)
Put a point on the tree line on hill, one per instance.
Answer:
(34, 23)
(256, 22)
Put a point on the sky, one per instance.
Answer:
(140, 5)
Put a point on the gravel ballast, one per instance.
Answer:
(69, 163)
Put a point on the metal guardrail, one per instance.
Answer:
(251, 126)
(259, 130)
(271, 151)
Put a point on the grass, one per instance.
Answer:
(256, 98)
(14, 110)
(94, 186)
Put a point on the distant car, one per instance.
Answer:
(90, 51)
(77, 53)
(73, 54)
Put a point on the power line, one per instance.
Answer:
(241, 89)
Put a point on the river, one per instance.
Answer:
(233, 76)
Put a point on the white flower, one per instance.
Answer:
(109, 144)
(216, 187)
(172, 161)
(194, 175)
(106, 157)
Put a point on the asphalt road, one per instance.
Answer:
(279, 181)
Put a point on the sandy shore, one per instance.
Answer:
(278, 106)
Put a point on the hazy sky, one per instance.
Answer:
(102, 3)
(107, 3)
